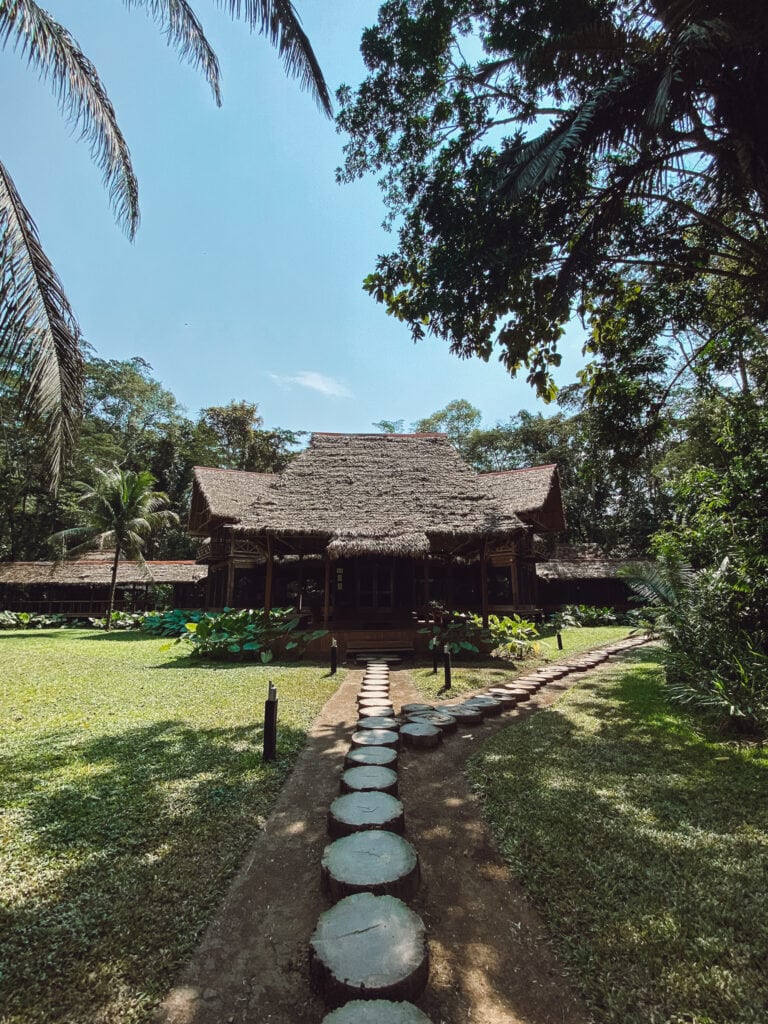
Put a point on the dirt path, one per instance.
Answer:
(491, 960)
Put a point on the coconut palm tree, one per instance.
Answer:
(39, 335)
(120, 511)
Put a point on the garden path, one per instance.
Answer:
(491, 956)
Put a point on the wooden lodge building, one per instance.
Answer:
(364, 531)
(80, 587)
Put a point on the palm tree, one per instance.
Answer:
(39, 335)
(120, 510)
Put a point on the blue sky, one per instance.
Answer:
(244, 281)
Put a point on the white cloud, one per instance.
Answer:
(330, 386)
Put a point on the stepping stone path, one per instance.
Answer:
(369, 953)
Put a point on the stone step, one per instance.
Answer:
(358, 812)
(375, 738)
(376, 1011)
(384, 756)
(369, 946)
(382, 863)
(369, 777)
(440, 720)
(420, 736)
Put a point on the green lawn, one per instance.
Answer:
(645, 844)
(131, 784)
(476, 675)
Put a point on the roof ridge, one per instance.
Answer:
(522, 469)
(332, 433)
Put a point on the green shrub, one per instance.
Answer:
(119, 620)
(247, 634)
(713, 663)
(465, 634)
(38, 620)
(170, 623)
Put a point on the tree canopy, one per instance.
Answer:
(538, 157)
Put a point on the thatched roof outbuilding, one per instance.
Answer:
(376, 494)
(93, 571)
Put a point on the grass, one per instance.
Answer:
(644, 842)
(132, 784)
(477, 675)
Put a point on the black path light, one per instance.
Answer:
(447, 666)
(270, 724)
(334, 656)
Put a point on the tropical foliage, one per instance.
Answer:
(464, 633)
(539, 157)
(246, 634)
(715, 663)
(119, 511)
(39, 336)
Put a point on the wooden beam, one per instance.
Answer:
(268, 580)
(327, 591)
(230, 594)
(484, 584)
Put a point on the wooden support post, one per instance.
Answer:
(229, 596)
(270, 724)
(327, 592)
(484, 585)
(268, 580)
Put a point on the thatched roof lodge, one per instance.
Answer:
(582, 574)
(368, 529)
(81, 586)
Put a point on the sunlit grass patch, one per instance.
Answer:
(131, 783)
(645, 844)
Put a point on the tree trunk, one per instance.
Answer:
(112, 588)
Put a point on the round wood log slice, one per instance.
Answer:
(440, 719)
(521, 694)
(530, 687)
(369, 702)
(380, 710)
(376, 673)
(375, 738)
(369, 777)
(379, 862)
(379, 693)
(489, 705)
(415, 709)
(384, 756)
(371, 947)
(378, 722)
(465, 715)
(421, 735)
(376, 1011)
(508, 701)
(374, 684)
(358, 812)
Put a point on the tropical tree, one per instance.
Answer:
(120, 511)
(39, 335)
(530, 151)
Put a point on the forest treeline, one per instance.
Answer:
(620, 486)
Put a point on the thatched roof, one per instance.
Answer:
(534, 494)
(585, 569)
(97, 571)
(397, 494)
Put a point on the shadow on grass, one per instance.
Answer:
(643, 843)
(135, 836)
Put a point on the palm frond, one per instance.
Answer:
(186, 35)
(39, 336)
(53, 53)
(279, 22)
